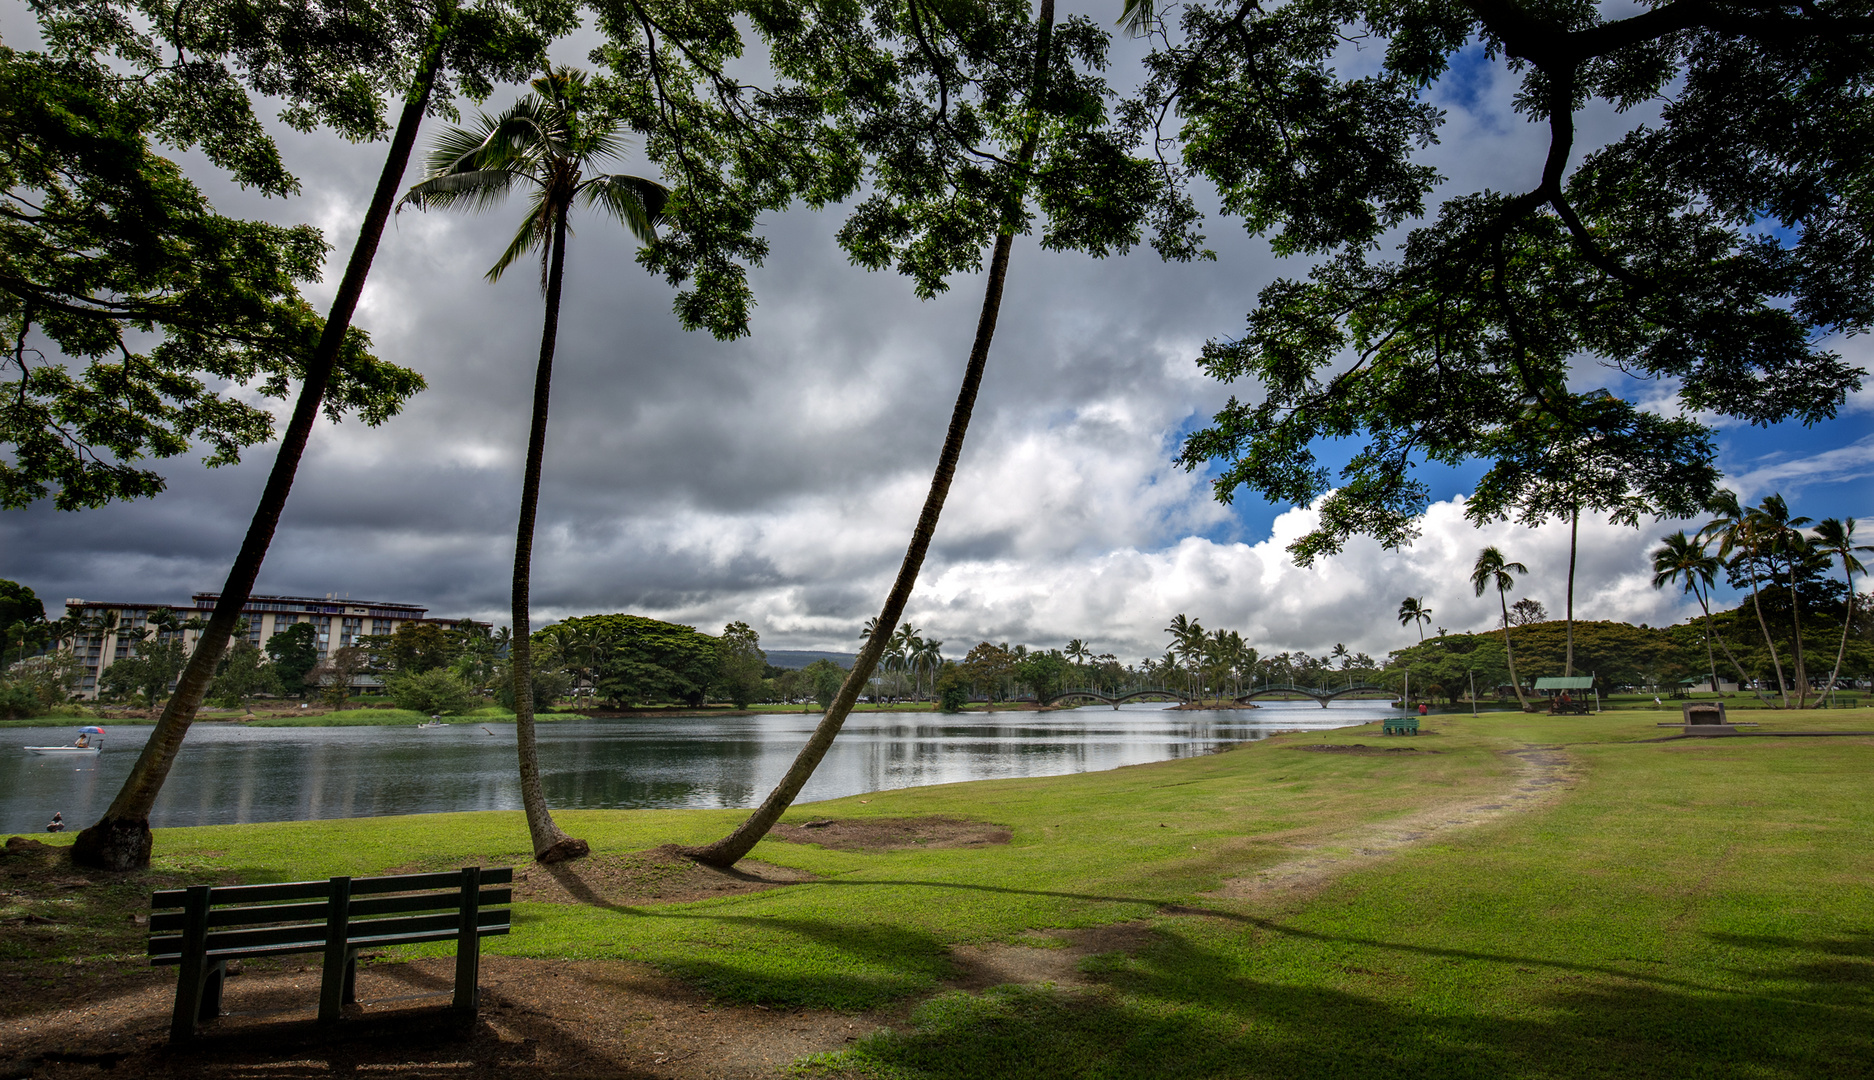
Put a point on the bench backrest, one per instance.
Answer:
(303, 916)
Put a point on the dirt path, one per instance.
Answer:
(1542, 773)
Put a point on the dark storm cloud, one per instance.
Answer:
(776, 478)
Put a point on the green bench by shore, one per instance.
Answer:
(1400, 725)
(201, 928)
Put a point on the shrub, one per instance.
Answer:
(435, 692)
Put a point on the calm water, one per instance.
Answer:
(236, 774)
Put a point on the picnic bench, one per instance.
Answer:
(1400, 725)
(200, 928)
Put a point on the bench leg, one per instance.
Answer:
(338, 955)
(193, 971)
(468, 945)
(212, 981)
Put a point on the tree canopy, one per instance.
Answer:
(125, 300)
(1713, 248)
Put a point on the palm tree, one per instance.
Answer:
(1836, 537)
(1413, 610)
(121, 839)
(931, 658)
(905, 645)
(1078, 652)
(1683, 558)
(1782, 535)
(1736, 531)
(546, 142)
(1490, 569)
(1187, 640)
(726, 851)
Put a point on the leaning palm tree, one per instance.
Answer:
(1490, 569)
(1413, 610)
(544, 144)
(1836, 537)
(1682, 558)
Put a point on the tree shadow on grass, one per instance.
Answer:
(1183, 1011)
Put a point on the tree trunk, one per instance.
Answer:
(550, 844)
(726, 851)
(1710, 636)
(1795, 618)
(1764, 625)
(1508, 656)
(1574, 531)
(1846, 624)
(121, 839)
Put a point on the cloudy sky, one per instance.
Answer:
(775, 479)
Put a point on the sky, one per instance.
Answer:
(775, 479)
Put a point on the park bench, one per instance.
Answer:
(202, 927)
(1400, 725)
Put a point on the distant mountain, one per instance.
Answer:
(796, 659)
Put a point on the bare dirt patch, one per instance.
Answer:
(539, 1019)
(1054, 957)
(892, 834)
(658, 876)
(1542, 773)
(1362, 748)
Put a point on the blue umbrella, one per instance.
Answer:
(91, 730)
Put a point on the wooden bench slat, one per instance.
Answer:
(306, 912)
(308, 890)
(230, 942)
(170, 959)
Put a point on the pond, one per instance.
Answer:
(228, 773)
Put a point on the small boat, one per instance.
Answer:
(432, 722)
(90, 741)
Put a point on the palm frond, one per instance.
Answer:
(477, 190)
(535, 232)
(1137, 17)
(633, 200)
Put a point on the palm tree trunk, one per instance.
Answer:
(1847, 622)
(121, 840)
(1574, 532)
(1510, 657)
(1795, 617)
(550, 844)
(1710, 636)
(732, 847)
(1764, 625)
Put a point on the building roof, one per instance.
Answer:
(1565, 682)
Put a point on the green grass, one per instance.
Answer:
(1687, 908)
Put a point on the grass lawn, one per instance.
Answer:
(1700, 907)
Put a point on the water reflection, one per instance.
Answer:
(234, 774)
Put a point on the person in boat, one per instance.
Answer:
(84, 740)
(57, 824)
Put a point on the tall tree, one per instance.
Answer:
(1836, 537)
(1596, 453)
(547, 143)
(965, 114)
(1716, 248)
(1740, 541)
(1491, 570)
(1412, 610)
(1781, 535)
(339, 66)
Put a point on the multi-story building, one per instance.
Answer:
(337, 621)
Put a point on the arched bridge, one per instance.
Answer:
(1320, 694)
